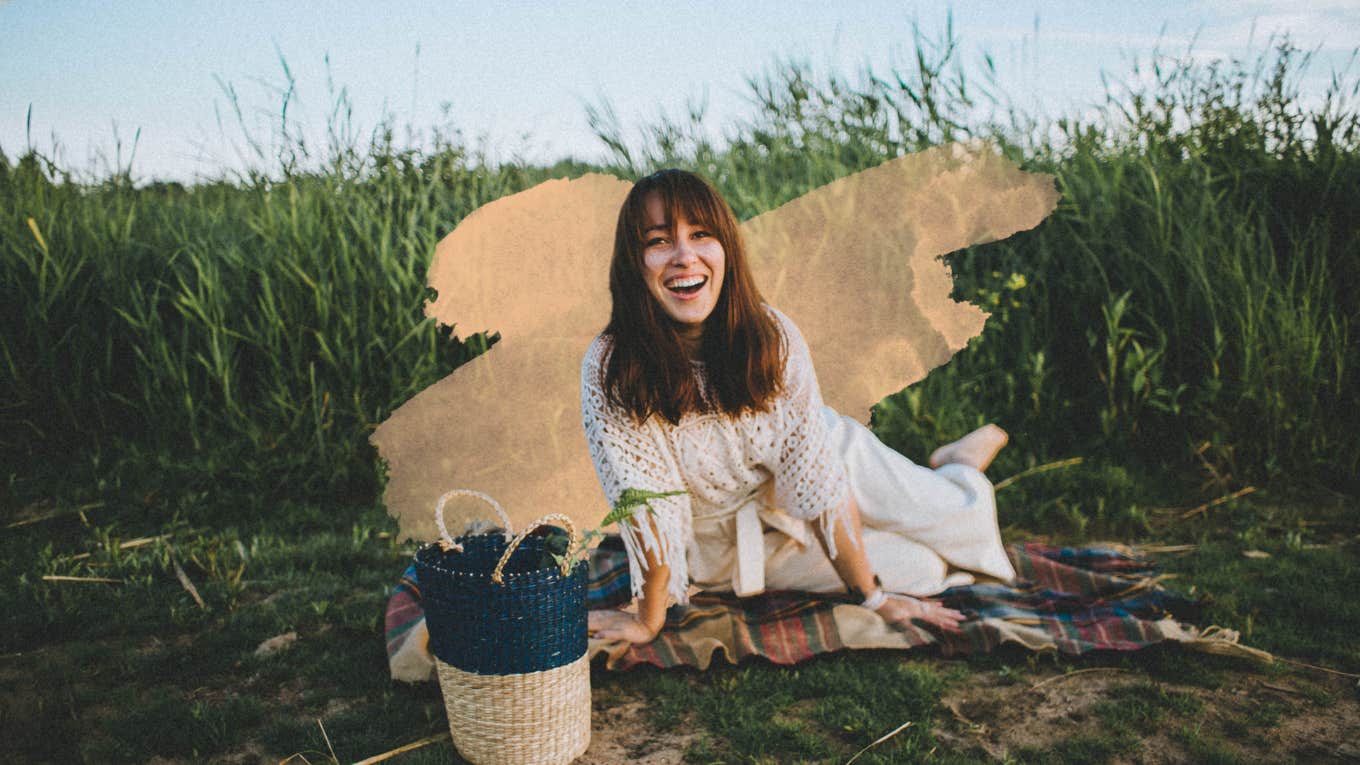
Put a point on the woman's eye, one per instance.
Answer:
(702, 234)
(654, 241)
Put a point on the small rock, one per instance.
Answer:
(1255, 554)
(276, 643)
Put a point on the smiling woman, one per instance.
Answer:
(683, 264)
(682, 292)
(698, 387)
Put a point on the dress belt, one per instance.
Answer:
(753, 513)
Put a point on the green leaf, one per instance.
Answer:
(630, 499)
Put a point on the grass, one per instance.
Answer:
(138, 670)
(205, 363)
(1195, 284)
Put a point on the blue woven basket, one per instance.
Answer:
(509, 638)
(493, 609)
(534, 620)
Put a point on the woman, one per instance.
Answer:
(696, 385)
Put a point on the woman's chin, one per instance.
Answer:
(688, 314)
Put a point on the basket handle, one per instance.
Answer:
(445, 539)
(496, 576)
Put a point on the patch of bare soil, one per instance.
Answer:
(1329, 734)
(1314, 719)
(621, 735)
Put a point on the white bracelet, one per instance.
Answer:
(876, 599)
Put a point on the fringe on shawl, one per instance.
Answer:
(664, 533)
(837, 513)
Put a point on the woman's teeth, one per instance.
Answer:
(687, 284)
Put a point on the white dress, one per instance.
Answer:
(754, 484)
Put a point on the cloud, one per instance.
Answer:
(1168, 42)
(1310, 24)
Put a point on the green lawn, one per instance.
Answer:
(137, 670)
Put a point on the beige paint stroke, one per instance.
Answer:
(855, 263)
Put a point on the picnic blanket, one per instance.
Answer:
(1065, 599)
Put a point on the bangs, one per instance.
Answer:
(682, 195)
(648, 371)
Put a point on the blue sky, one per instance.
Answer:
(517, 76)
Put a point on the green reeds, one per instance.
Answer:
(1198, 281)
(262, 325)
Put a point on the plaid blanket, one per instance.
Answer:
(1065, 599)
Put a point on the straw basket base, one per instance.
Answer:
(535, 718)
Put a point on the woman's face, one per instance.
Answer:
(683, 264)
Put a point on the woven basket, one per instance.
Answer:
(509, 639)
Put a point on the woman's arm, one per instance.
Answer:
(853, 567)
(628, 455)
(810, 483)
(651, 615)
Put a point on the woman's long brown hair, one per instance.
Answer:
(742, 349)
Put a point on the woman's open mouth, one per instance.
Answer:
(686, 286)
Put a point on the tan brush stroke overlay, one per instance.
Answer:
(507, 424)
(532, 264)
(535, 267)
(854, 263)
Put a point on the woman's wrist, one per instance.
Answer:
(875, 600)
(651, 613)
(863, 594)
(653, 623)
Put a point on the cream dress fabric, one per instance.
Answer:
(756, 483)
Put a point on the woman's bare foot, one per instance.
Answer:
(977, 449)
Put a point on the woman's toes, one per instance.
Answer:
(941, 455)
(988, 441)
(995, 432)
(977, 449)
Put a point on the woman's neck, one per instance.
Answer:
(691, 340)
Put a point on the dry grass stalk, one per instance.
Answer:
(1215, 503)
(56, 578)
(184, 579)
(1216, 477)
(128, 545)
(1144, 583)
(899, 729)
(55, 514)
(1157, 549)
(1306, 665)
(1056, 678)
(1280, 688)
(403, 749)
(327, 739)
(1038, 469)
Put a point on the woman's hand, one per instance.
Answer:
(618, 625)
(901, 610)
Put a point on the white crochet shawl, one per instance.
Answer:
(718, 460)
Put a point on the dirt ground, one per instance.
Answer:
(620, 735)
(1312, 718)
(1315, 718)
(1253, 716)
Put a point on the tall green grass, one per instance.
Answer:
(255, 328)
(1197, 283)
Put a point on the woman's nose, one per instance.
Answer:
(684, 252)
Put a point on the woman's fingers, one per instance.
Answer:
(939, 607)
(617, 625)
(601, 622)
(929, 611)
(938, 614)
(593, 622)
